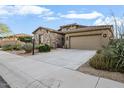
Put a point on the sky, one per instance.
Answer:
(25, 19)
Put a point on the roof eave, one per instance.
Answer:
(36, 30)
(83, 30)
(54, 31)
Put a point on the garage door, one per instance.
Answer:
(86, 42)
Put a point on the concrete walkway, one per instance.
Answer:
(24, 72)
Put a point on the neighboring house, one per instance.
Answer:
(12, 38)
(16, 36)
(22, 35)
(75, 36)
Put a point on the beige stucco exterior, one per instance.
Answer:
(70, 27)
(88, 39)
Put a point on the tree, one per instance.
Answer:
(4, 30)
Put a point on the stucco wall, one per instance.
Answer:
(104, 40)
(68, 28)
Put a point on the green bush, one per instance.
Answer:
(99, 61)
(37, 46)
(25, 39)
(44, 48)
(7, 47)
(11, 47)
(98, 51)
(27, 47)
(17, 47)
(111, 57)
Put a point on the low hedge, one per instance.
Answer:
(25, 39)
(44, 48)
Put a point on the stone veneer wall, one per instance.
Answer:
(47, 37)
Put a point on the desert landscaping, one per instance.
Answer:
(72, 55)
(105, 62)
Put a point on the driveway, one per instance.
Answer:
(67, 58)
(21, 72)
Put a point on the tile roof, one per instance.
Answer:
(86, 28)
(90, 28)
(74, 24)
(48, 29)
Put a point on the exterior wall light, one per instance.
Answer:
(104, 35)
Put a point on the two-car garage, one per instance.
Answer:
(89, 39)
(85, 42)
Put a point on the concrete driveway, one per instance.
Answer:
(67, 58)
(21, 72)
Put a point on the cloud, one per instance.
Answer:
(50, 18)
(24, 10)
(39, 11)
(71, 11)
(74, 15)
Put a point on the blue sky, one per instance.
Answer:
(25, 19)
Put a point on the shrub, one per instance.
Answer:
(117, 54)
(111, 57)
(44, 48)
(7, 47)
(37, 46)
(15, 46)
(99, 61)
(25, 39)
(27, 47)
(98, 51)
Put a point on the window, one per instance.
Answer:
(40, 39)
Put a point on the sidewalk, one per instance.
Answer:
(22, 72)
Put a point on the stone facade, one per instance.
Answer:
(47, 36)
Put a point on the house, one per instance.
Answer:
(75, 36)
